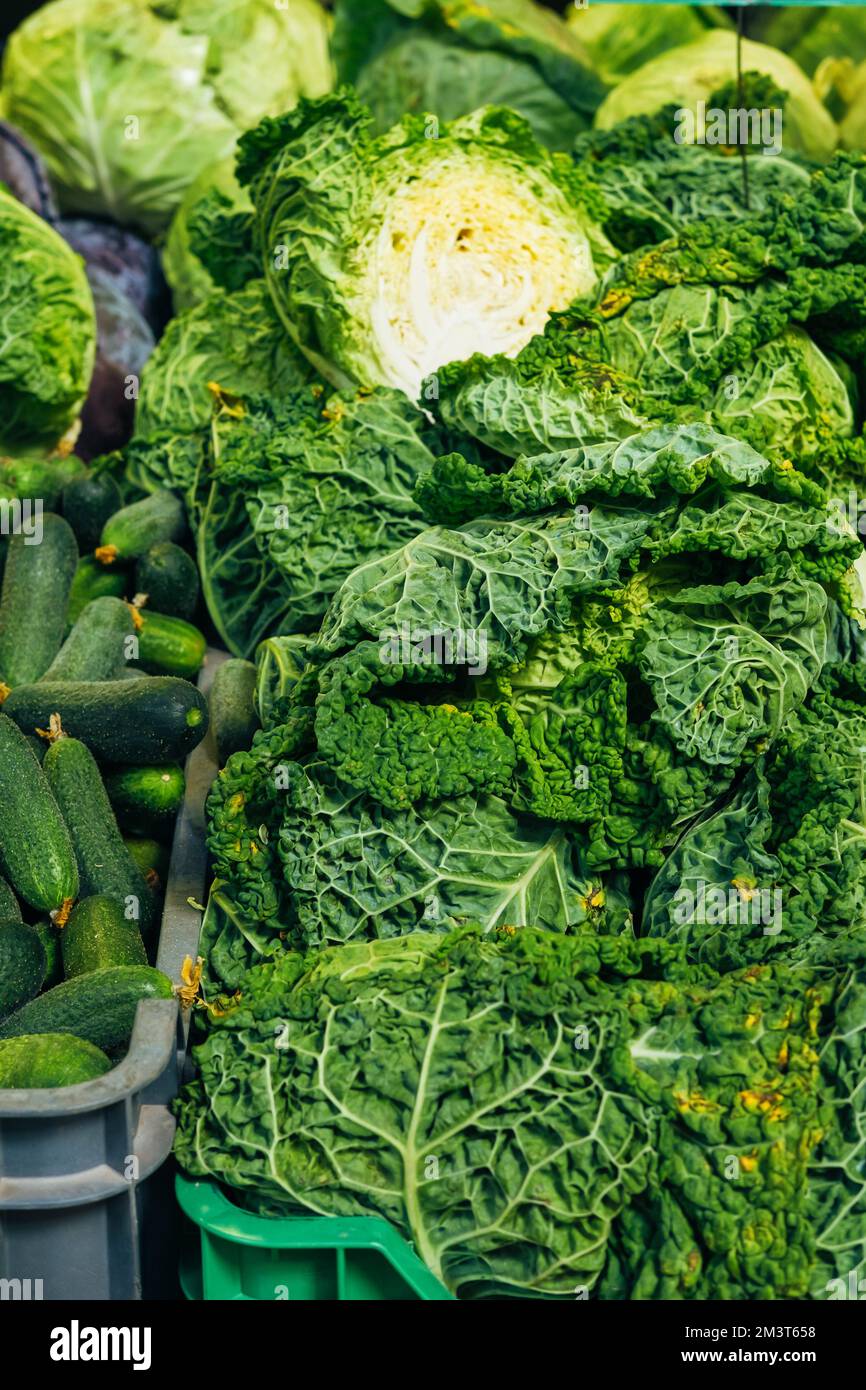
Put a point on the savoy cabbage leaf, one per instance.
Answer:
(540, 1114)
(651, 191)
(305, 860)
(509, 580)
(780, 866)
(203, 237)
(324, 493)
(232, 342)
(728, 664)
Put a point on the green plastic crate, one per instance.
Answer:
(239, 1255)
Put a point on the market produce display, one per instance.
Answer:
(89, 743)
(508, 433)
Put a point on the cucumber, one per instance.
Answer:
(87, 504)
(98, 1007)
(104, 863)
(10, 908)
(146, 795)
(134, 529)
(151, 857)
(169, 577)
(39, 478)
(35, 846)
(36, 584)
(169, 646)
(232, 712)
(91, 581)
(22, 966)
(97, 935)
(49, 1059)
(95, 648)
(155, 719)
(49, 935)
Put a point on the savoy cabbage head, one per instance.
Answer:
(620, 38)
(49, 332)
(387, 256)
(416, 56)
(88, 81)
(548, 1116)
(645, 617)
(729, 320)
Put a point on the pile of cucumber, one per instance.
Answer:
(98, 711)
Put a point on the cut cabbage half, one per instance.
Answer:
(467, 259)
(389, 256)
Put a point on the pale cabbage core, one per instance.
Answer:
(467, 259)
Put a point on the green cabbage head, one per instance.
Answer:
(695, 71)
(127, 100)
(388, 256)
(49, 331)
(619, 38)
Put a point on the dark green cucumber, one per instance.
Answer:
(36, 584)
(95, 649)
(169, 646)
(87, 504)
(97, 935)
(134, 529)
(146, 795)
(10, 908)
(42, 479)
(22, 966)
(49, 935)
(49, 1059)
(151, 857)
(169, 577)
(105, 865)
(232, 711)
(98, 1007)
(155, 719)
(91, 581)
(35, 846)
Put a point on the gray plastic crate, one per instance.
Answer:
(79, 1165)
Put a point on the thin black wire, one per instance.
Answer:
(744, 155)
